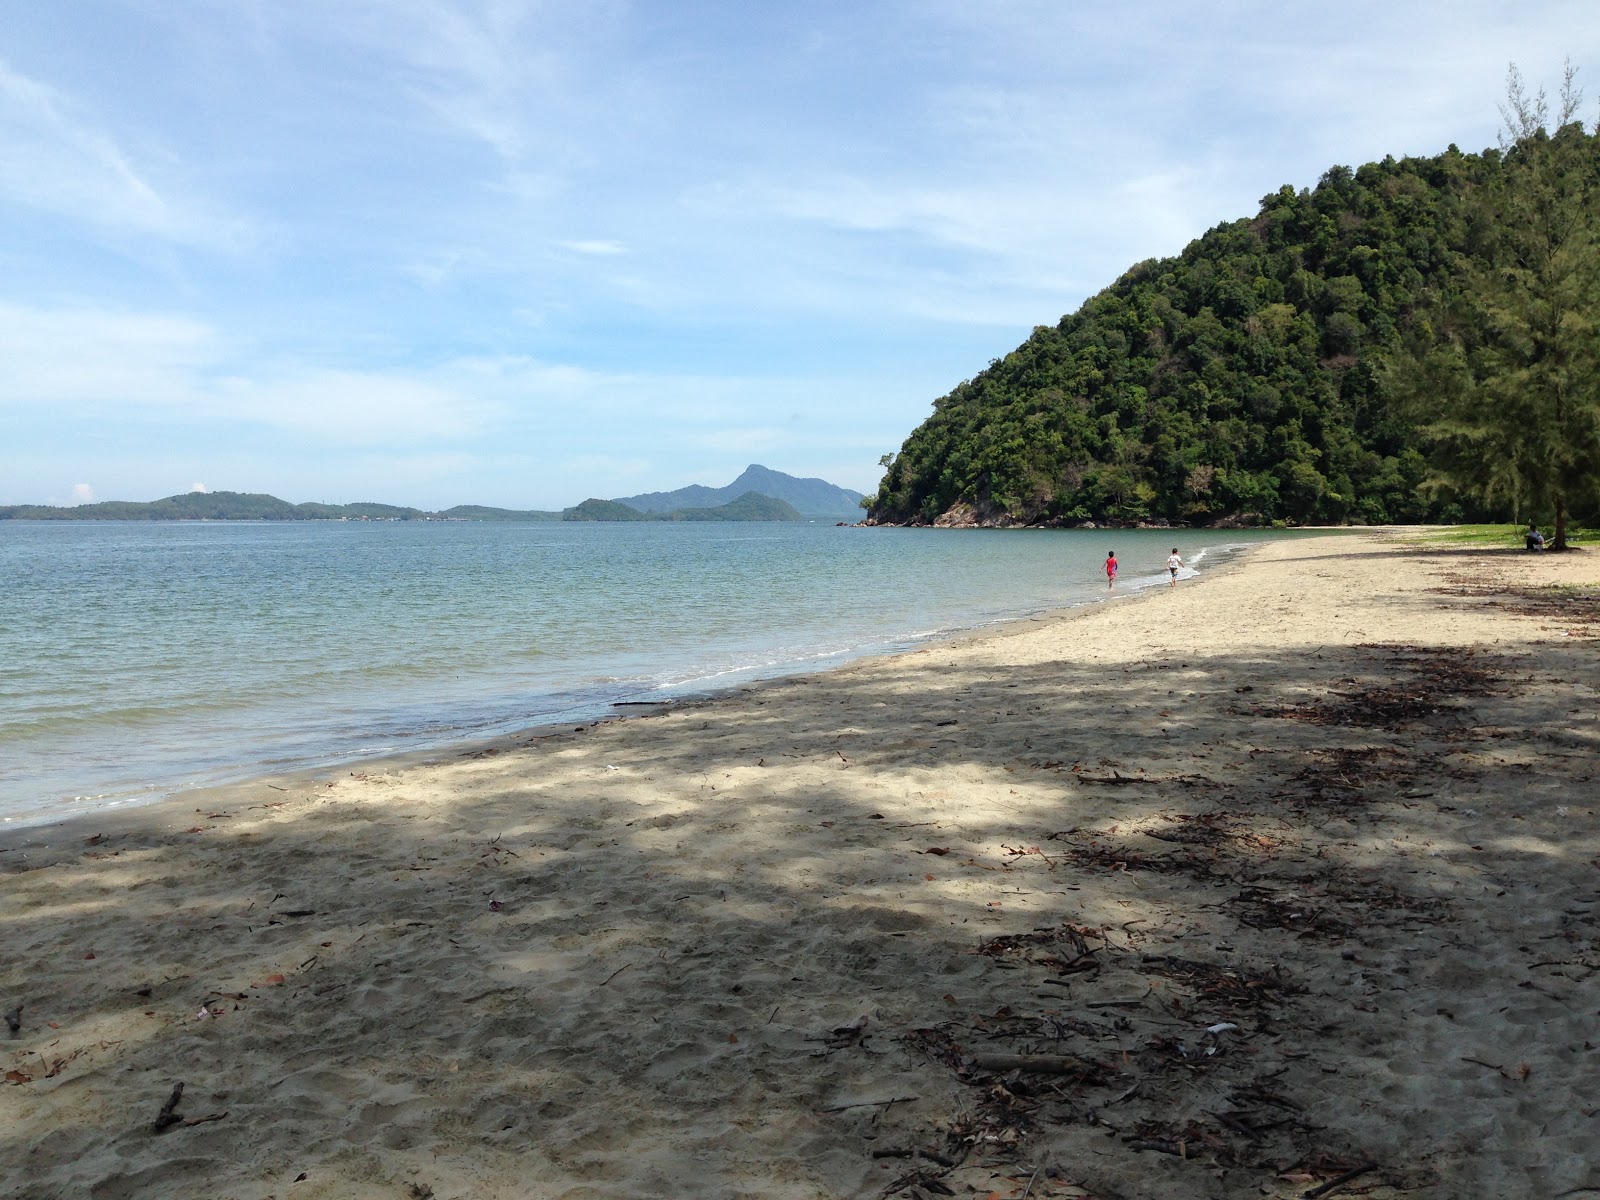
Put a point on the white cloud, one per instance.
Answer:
(54, 157)
(141, 367)
(600, 247)
(101, 356)
(199, 487)
(82, 493)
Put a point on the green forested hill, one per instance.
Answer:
(1249, 378)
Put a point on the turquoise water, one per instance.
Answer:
(137, 659)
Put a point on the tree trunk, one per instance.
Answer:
(1561, 523)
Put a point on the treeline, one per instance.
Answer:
(1271, 371)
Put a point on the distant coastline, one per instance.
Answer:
(759, 494)
(246, 506)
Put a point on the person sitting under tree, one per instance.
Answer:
(1533, 538)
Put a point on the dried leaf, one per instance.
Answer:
(18, 1077)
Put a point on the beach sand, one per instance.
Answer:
(1337, 803)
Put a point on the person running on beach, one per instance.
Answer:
(1111, 569)
(1174, 565)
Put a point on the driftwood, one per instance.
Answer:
(168, 1116)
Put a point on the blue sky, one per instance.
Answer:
(519, 253)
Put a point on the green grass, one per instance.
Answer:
(1496, 535)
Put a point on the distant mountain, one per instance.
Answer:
(602, 510)
(749, 507)
(810, 497)
(757, 495)
(209, 506)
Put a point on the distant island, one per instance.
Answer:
(809, 497)
(759, 494)
(752, 506)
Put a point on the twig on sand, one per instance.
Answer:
(168, 1116)
(871, 1104)
(1043, 1064)
(615, 973)
(1339, 1181)
(1031, 1178)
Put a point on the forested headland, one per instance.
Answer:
(1414, 340)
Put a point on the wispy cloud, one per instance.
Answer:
(598, 247)
(53, 156)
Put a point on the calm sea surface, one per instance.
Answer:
(137, 659)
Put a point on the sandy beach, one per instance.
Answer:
(1282, 882)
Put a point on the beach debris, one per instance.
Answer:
(1339, 1181)
(870, 1104)
(841, 1037)
(496, 905)
(1040, 1064)
(14, 1020)
(1438, 676)
(168, 1116)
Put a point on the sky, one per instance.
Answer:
(523, 252)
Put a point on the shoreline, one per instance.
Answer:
(1290, 875)
(586, 716)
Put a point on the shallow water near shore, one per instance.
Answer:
(144, 658)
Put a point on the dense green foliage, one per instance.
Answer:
(1247, 379)
(752, 506)
(1506, 374)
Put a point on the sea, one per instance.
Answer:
(140, 659)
